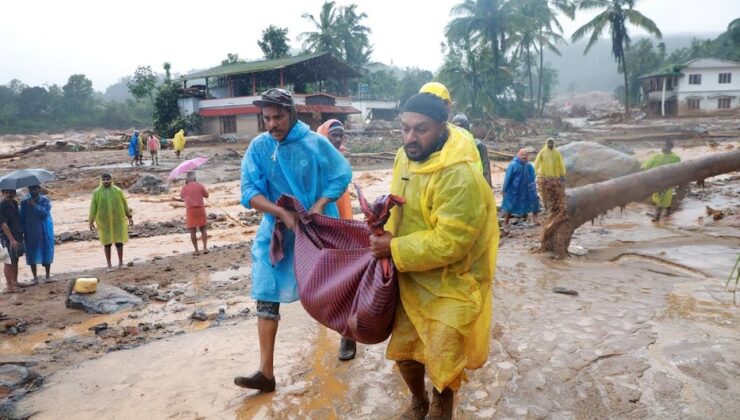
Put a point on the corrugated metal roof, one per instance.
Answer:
(261, 66)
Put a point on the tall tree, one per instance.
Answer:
(78, 93)
(274, 42)
(167, 75)
(33, 102)
(614, 15)
(142, 83)
(325, 36)
(339, 31)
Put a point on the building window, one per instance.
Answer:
(694, 103)
(695, 79)
(723, 103)
(228, 124)
(725, 78)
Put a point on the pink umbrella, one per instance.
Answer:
(186, 166)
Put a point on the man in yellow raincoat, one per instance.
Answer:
(550, 168)
(662, 199)
(178, 143)
(109, 211)
(444, 247)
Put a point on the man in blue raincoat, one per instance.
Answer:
(520, 189)
(287, 159)
(38, 230)
(133, 147)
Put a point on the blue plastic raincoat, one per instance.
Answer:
(520, 190)
(304, 165)
(133, 145)
(38, 230)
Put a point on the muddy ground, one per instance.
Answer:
(652, 332)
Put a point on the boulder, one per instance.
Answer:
(588, 163)
(150, 184)
(106, 300)
(13, 377)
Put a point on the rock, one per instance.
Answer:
(21, 360)
(13, 377)
(577, 250)
(99, 327)
(106, 300)
(565, 291)
(115, 332)
(150, 184)
(131, 330)
(588, 163)
(199, 315)
(66, 236)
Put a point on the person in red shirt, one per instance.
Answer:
(193, 194)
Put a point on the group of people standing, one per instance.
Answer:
(150, 142)
(26, 228)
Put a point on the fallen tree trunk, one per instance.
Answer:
(22, 151)
(587, 202)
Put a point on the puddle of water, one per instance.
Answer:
(27, 344)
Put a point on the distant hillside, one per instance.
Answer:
(597, 71)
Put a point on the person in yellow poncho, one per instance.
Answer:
(444, 247)
(439, 90)
(178, 143)
(550, 168)
(108, 214)
(662, 199)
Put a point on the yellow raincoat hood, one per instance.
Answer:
(549, 163)
(444, 247)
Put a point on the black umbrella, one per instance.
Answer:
(25, 178)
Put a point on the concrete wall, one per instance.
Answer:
(246, 126)
(187, 106)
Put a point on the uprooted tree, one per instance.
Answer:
(586, 203)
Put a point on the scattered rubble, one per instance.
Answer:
(106, 300)
(150, 184)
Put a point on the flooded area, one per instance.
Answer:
(652, 332)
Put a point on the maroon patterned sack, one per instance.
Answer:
(340, 283)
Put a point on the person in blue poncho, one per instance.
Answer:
(133, 147)
(38, 230)
(520, 190)
(287, 159)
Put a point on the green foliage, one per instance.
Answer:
(381, 84)
(274, 42)
(142, 83)
(412, 81)
(340, 32)
(78, 93)
(167, 75)
(232, 59)
(644, 57)
(166, 111)
(74, 106)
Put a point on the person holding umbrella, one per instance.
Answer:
(11, 237)
(38, 230)
(109, 211)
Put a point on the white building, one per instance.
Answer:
(698, 87)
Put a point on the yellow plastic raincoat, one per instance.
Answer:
(179, 141)
(662, 199)
(549, 163)
(109, 210)
(444, 247)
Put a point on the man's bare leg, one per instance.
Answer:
(267, 330)
(204, 238)
(119, 250)
(47, 267)
(106, 248)
(8, 271)
(194, 240)
(33, 271)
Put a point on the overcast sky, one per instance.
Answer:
(46, 41)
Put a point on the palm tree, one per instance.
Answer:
(615, 15)
(354, 36)
(326, 37)
(547, 37)
(486, 24)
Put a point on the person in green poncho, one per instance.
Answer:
(109, 211)
(662, 199)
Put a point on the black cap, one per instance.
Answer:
(275, 97)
